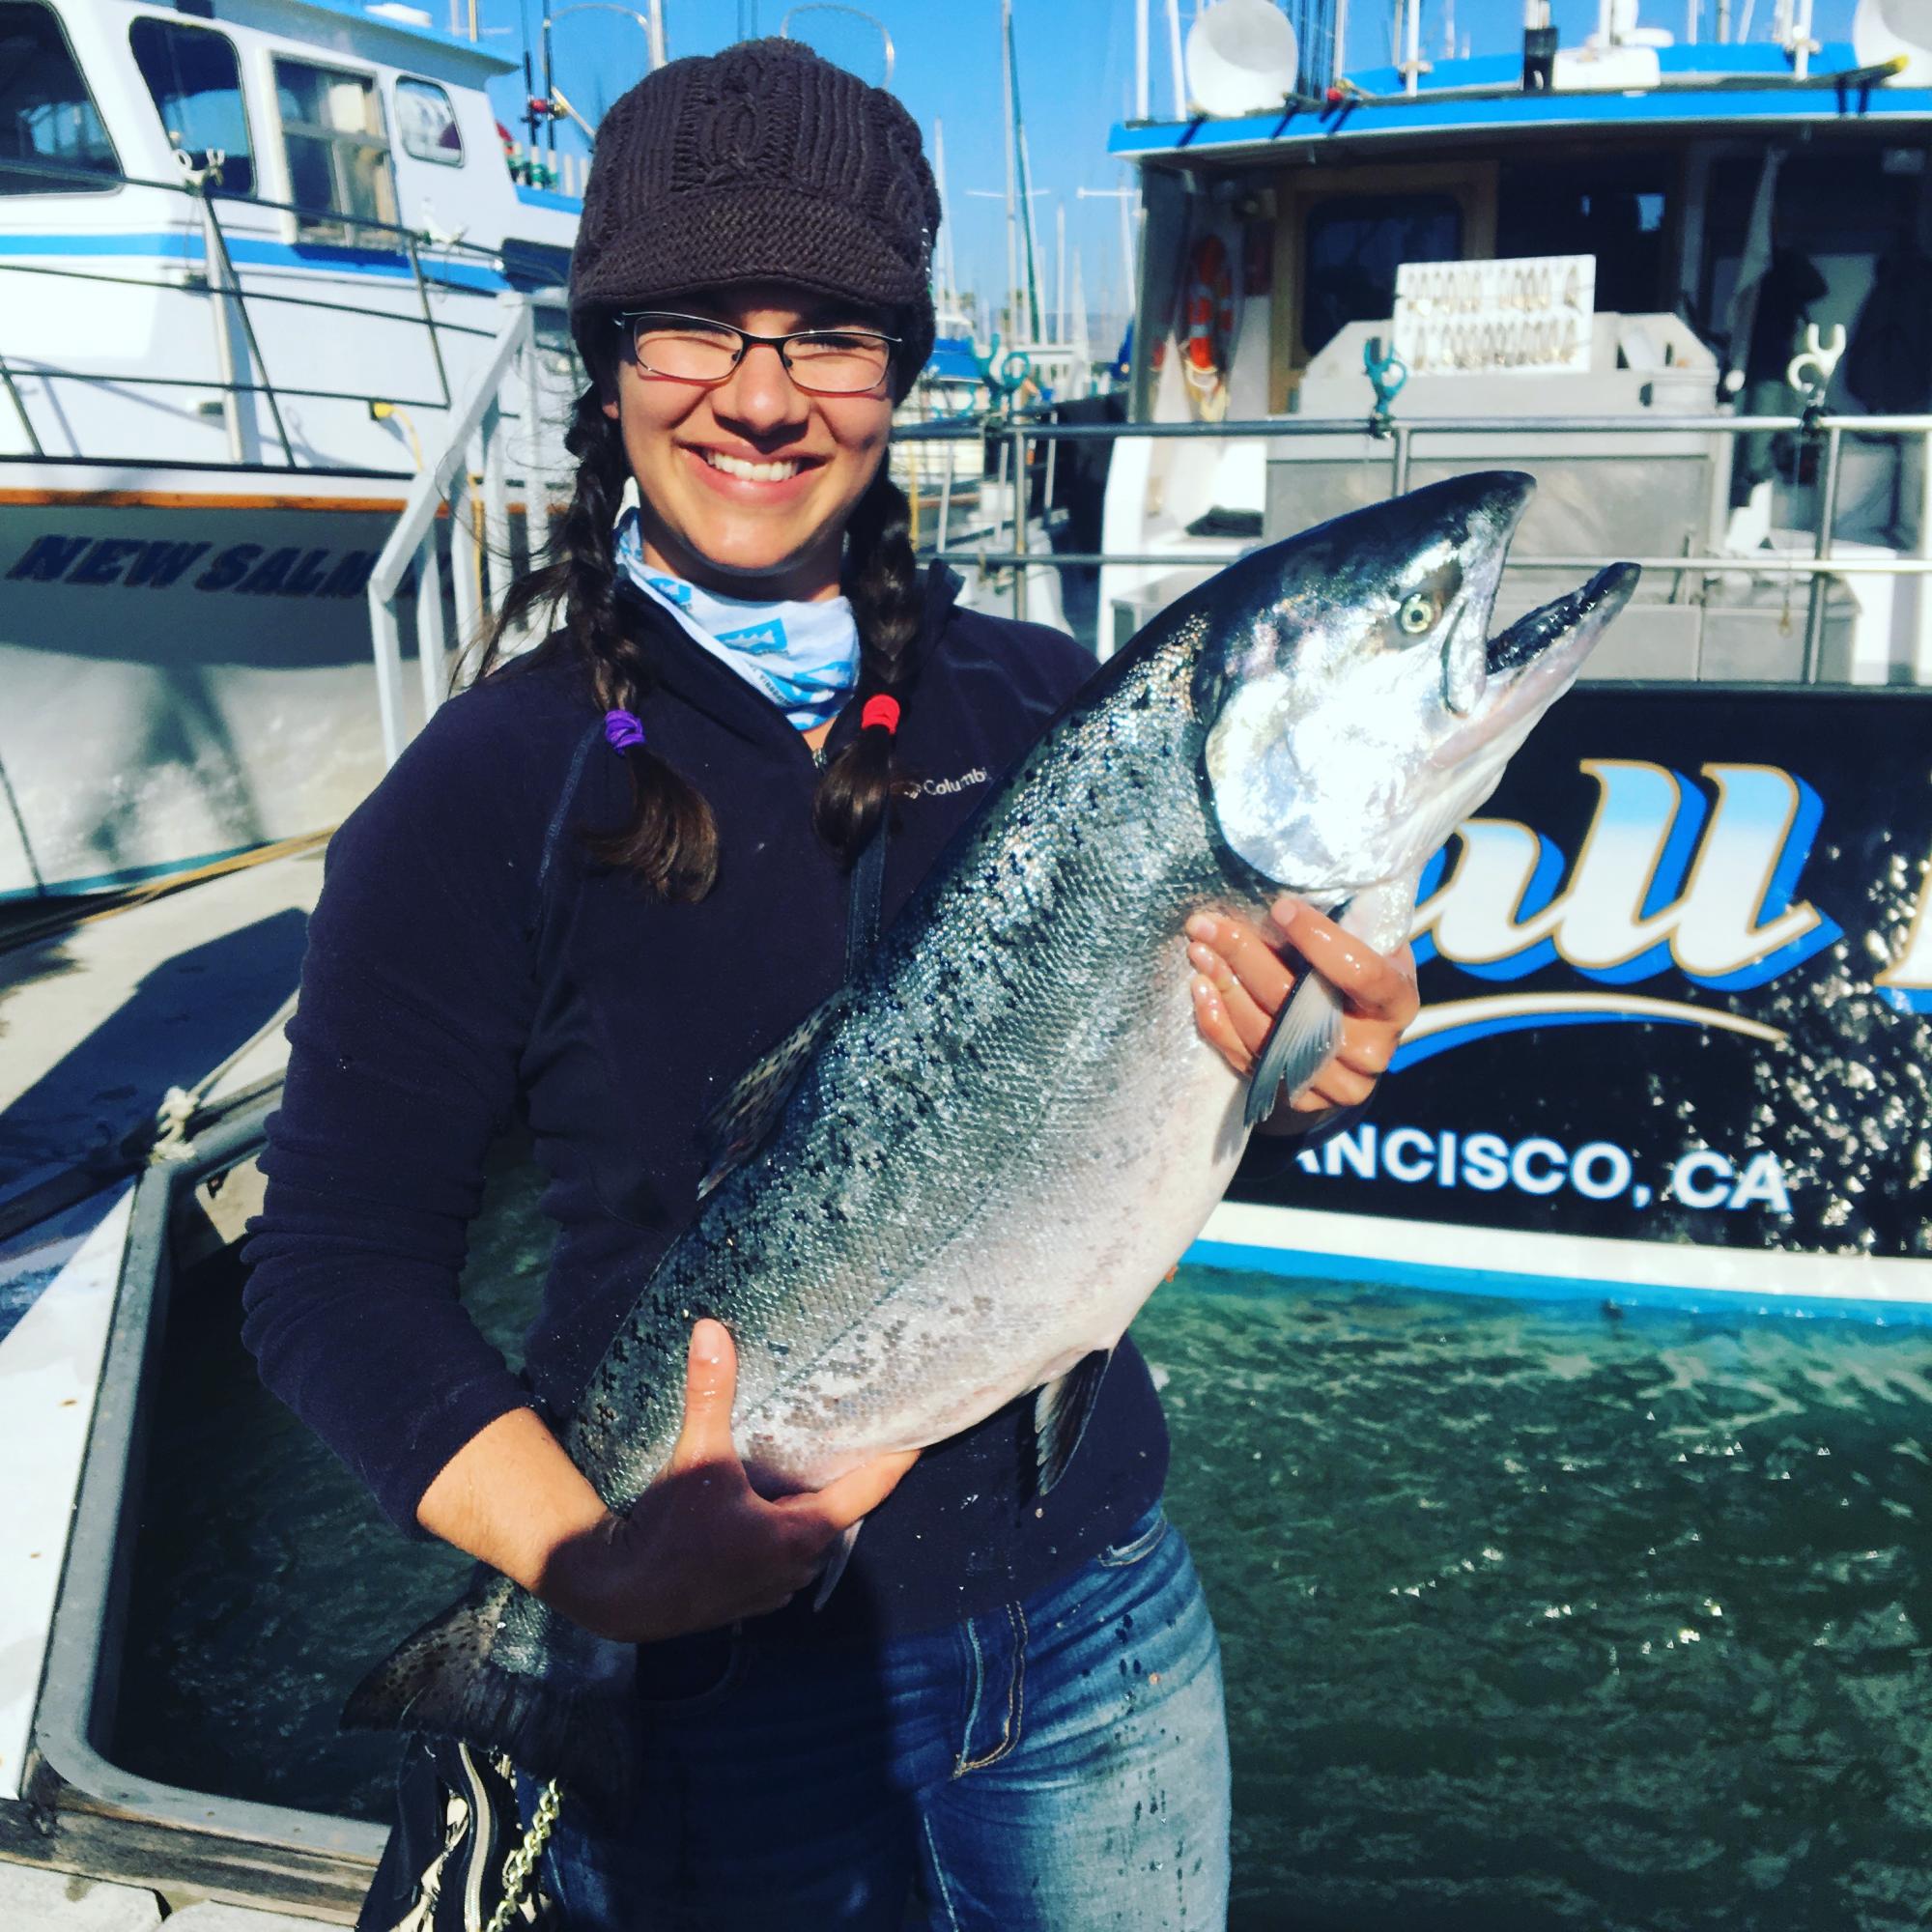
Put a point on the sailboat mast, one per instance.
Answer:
(550, 100)
(948, 290)
(1032, 229)
(1012, 211)
(1059, 272)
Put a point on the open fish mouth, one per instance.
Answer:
(1536, 660)
(1576, 621)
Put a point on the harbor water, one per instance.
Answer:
(1534, 1616)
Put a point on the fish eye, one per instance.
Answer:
(1418, 613)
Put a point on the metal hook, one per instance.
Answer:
(1386, 375)
(1820, 358)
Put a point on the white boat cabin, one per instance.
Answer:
(1718, 200)
(228, 227)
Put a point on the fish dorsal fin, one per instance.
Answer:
(1059, 1413)
(736, 1127)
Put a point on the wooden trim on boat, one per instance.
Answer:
(195, 499)
(59, 1827)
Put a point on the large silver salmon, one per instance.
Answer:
(960, 1179)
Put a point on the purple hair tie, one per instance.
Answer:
(622, 730)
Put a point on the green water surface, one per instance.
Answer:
(1533, 1616)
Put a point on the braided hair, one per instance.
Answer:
(670, 841)
(882, 579)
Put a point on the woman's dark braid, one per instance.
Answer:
(671, 840)
(882, 579)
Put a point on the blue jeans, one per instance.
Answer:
(1059, 1765)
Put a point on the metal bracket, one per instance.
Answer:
(1386, 375)
(1006, 376)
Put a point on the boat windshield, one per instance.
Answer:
(46, 114)
(192, 74)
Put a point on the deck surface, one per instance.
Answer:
(36, 1900)
(99, 1022)
(96, 1023)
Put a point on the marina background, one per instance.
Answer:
(1581, 1616)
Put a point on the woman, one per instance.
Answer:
(597, 886)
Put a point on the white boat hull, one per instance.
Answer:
(185, 663)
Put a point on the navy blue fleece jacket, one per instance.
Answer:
(467, 964)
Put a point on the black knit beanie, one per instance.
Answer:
(760, 164)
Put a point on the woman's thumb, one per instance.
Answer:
(710, 1383)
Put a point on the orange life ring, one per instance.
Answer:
(1210, 313)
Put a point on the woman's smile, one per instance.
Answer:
(748, 477)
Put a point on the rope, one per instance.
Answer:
(520, 1865)
(181, 1104)
(86, 914)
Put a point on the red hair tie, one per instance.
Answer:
(881, 710)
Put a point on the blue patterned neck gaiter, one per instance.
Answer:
(804, 657)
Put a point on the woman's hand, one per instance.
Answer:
(701, 1548)
(1242, 980)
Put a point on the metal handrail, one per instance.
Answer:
(1042, 431)
(14, 397)
(230, 283)
(319, 303)
(225, 285)
(1015, 431)
(87, 177)
(444, 483)
(1763, 564)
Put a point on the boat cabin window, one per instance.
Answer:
(1833, 219)
(427, 122)
(1352, 248)
(191, 73)
(1619, 213)
(340, 168)
(48, 119)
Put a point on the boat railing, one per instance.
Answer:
(1004, 545)
(476, 445)
(242, 370)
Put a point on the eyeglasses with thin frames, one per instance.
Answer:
(697, 349)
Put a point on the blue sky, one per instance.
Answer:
(1076, 76)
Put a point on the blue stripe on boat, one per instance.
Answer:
(1375, 1272)
(184, 245)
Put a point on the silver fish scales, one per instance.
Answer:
(960, 1179)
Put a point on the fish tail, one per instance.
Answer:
(447, 1680)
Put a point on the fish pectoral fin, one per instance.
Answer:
(1305, 1034)
(1060, 1413)
(836, 1560)
(1308, 1029)
(738, 1125)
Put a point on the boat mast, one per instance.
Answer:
(942, 269)
(1027, 198)
(550, 99)
(1059, 272)
(1012, 208)
(529, 83)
